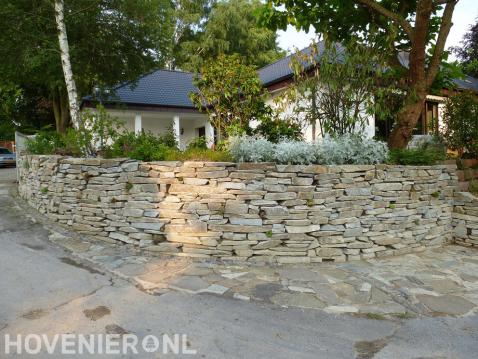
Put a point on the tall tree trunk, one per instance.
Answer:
(417, 82)
(60, 109)
(66, 63)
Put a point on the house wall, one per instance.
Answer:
(257, 212)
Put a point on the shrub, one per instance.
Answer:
(287, 151)
(198, 154)
(426, 154)
(275, 129)
(347, 149)
(460, 119)
(198, 142)
(144, 146)
(350, 149)
(251, 149)
(44, 143)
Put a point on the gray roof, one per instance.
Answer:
(167, 88)
(281, 69)
(467, 83)
(163, 88)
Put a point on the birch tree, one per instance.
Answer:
(66, 64)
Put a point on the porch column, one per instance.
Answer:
(138, 125)
(209, 134)
(177, 130)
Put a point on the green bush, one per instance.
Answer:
(198, 154)
(144, 146)
(417, 156)
(45, 142)
(460, 130)
(198, 142)
(275, 129)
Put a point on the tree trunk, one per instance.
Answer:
(60, 110)
(417, 82)
(66, 64)
(407, 119)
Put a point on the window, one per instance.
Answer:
(4, 151)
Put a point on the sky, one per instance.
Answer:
(466, 11)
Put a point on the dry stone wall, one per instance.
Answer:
(256, 212)
(465, 219)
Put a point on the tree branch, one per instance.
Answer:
(400, 20)
(445, 27)
(442, 2)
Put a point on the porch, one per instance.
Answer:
(186, 126)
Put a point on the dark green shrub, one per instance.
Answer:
(460, 130)
(44, 143)
(198, 142)
(198, 154)
(428, 153)
(144, 146)
(275, 129)
(417, 157)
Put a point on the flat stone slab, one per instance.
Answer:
(446, 304)
(191, 284)
(302, 300)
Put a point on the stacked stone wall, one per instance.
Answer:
(465, 219)
(256, 212)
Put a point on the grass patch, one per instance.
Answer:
(374, 316)
(406, 315)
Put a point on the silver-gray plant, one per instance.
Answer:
(346, 149)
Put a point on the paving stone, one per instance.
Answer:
(446, 304)
(215, 289)
(339, 309)
(302, 300)
(191, 284)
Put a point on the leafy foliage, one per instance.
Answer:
(230, 28)
(144, 146)
(110, 41)
(467, 52)
(337, 87)
(45, 142)
(275, 129)
(416, 157)
(460, 118)
(426, 153)
(230, 92)
(397, 26)
(346, 149)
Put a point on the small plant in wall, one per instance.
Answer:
(435, 194)
(129, 186)
(44, 190)
(269, 234)
(392, 206)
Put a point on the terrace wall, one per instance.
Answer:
(256, 212)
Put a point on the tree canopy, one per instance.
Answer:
(230, 28)
(110, 41)
(412, 32)
(467, 53)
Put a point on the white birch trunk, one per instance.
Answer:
(66, 64)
